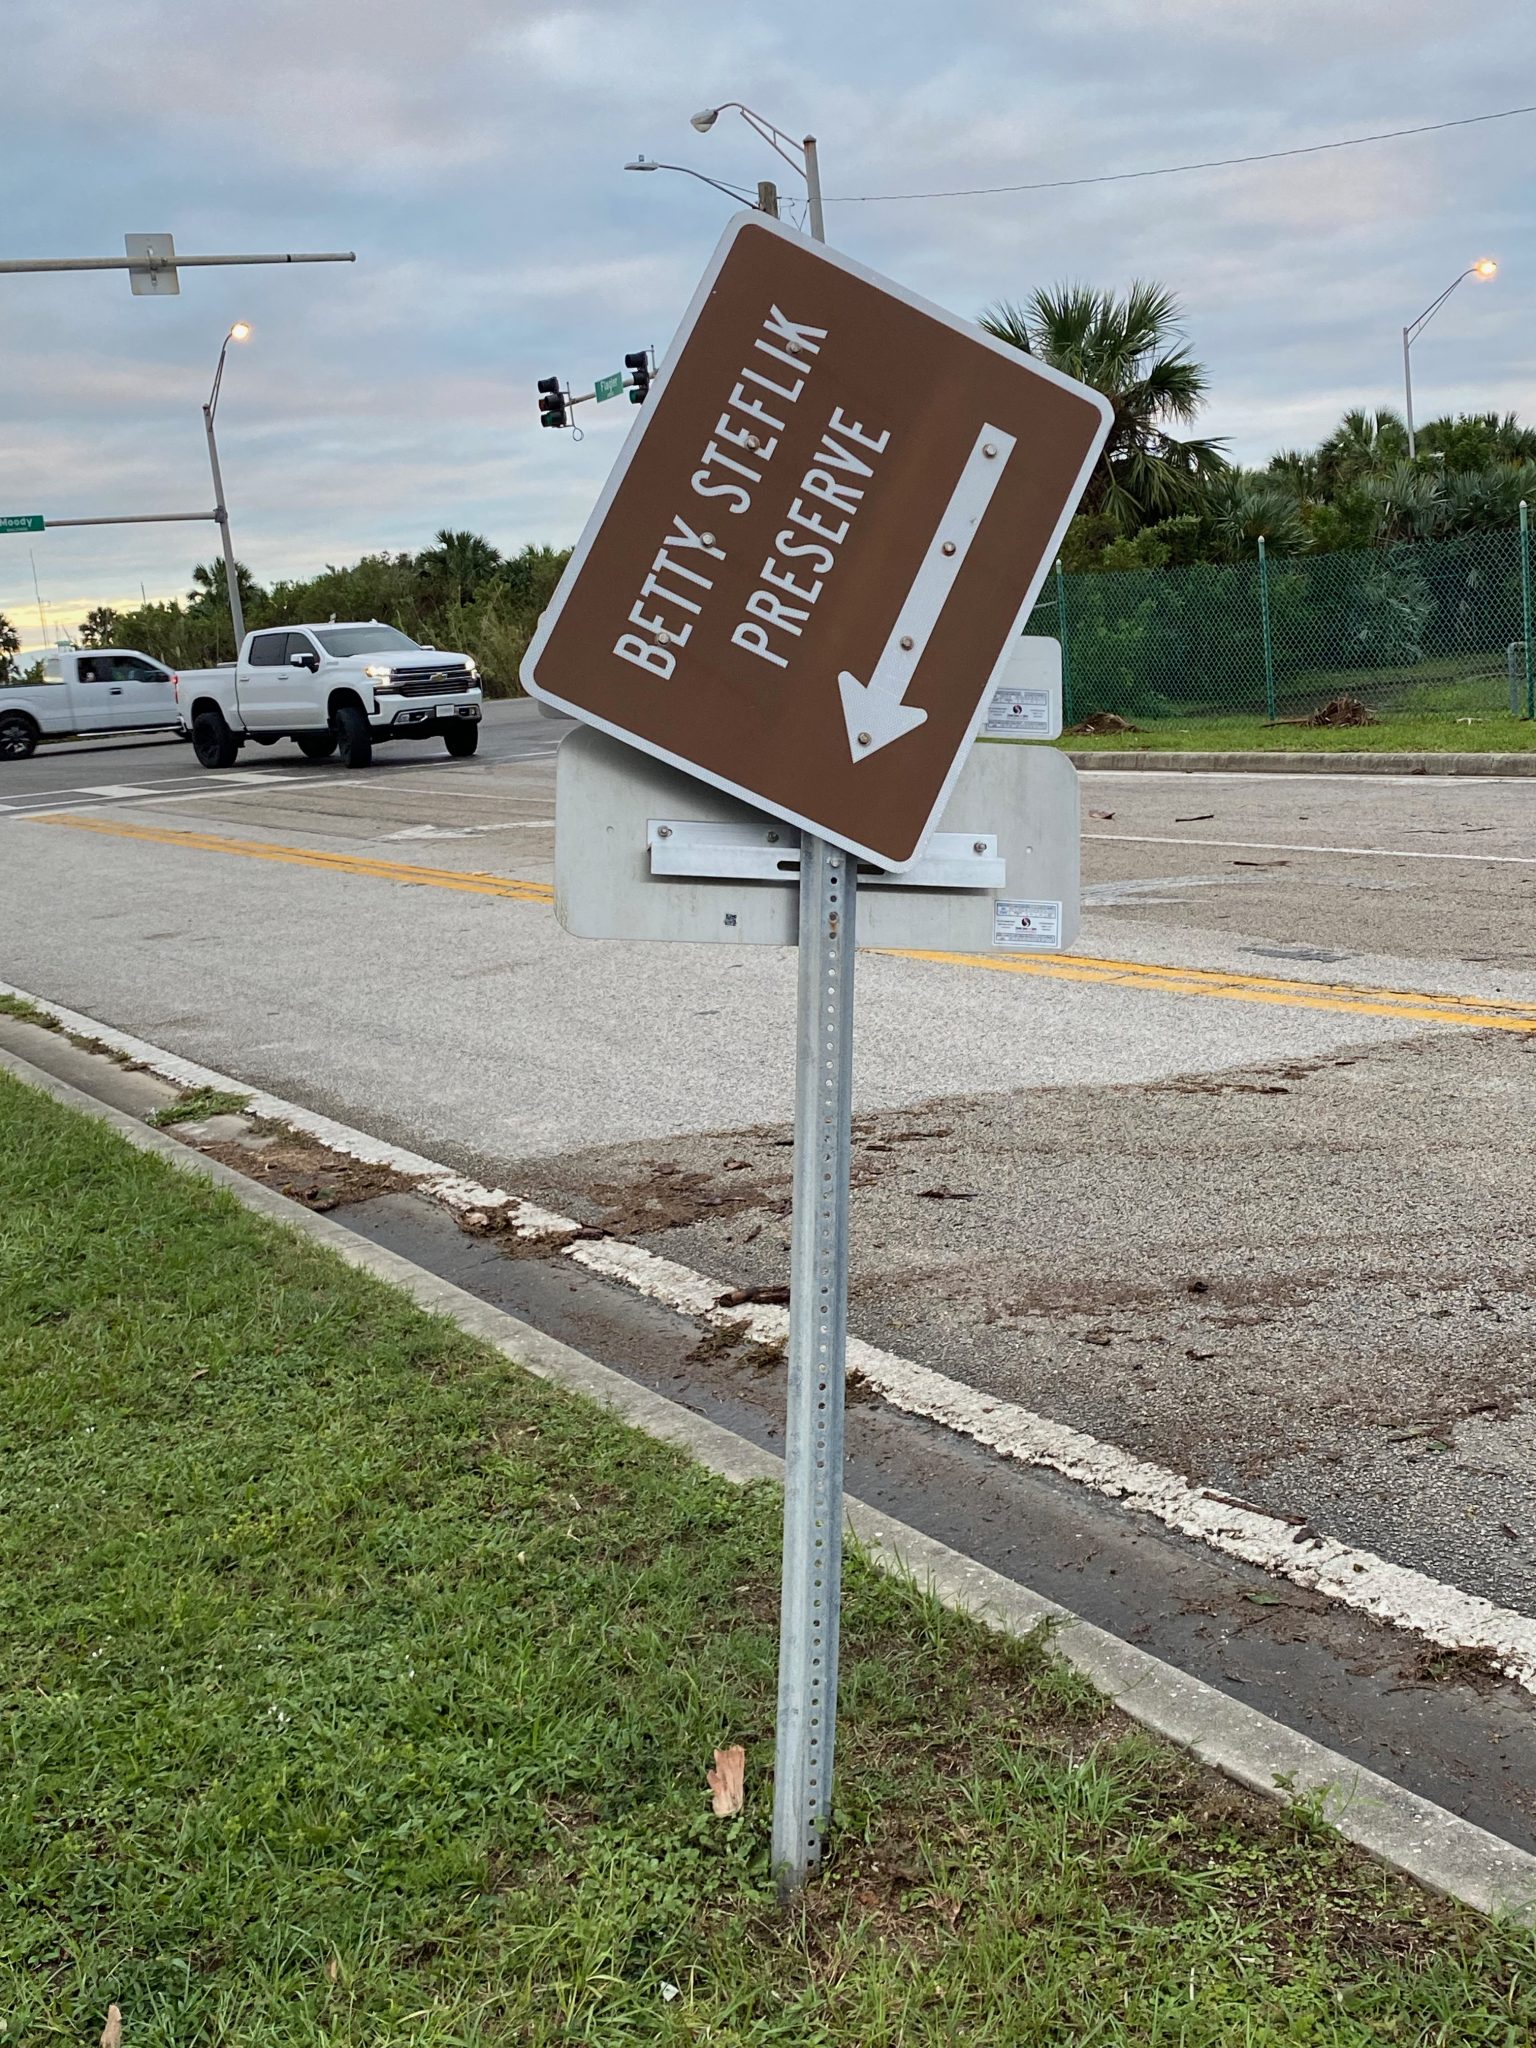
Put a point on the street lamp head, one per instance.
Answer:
(705, 119)
(1485, 267)
(241, 331)
(643, 163)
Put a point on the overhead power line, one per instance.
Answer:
(1215, 163)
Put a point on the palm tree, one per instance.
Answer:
(1485, 499)
(1131, 350)
(1245, 505)
(210, 588)
(1411, 503)
(1478, 440)
(99, 627)
(1362, 445)
(459, 565)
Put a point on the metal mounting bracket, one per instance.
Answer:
(720, 851)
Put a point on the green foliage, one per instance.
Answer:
(195, 1104)
(1245, 506)
(1128, 348)
(358, 1689)
(98, 628)
(1477, 440)
(10, 647)
(460, 594)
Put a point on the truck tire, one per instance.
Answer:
(462, 737)
(316, 746)
(354, 742)
(18, 736)
(212, 741)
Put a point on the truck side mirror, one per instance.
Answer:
(307, 660)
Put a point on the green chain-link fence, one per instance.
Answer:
(1434, 628)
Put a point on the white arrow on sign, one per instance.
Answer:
(877, 711)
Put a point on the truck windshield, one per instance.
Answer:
(345, 640)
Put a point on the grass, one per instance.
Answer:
(1392, 733)
(25, 1012)
(195, 1104)
(358, 1689)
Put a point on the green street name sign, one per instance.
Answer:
(610, 387)
(33, 522)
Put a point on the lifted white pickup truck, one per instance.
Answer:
(92, 690)
(336, 689)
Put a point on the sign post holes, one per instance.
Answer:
(809, 1615)
(801, 584)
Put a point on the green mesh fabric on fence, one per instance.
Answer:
(1432, 628)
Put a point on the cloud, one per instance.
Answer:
(471, 152)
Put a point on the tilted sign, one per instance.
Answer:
(806, 571)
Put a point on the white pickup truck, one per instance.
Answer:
(92, 690)
(336, 689)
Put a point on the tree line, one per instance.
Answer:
(461, 593)
(1160, 496)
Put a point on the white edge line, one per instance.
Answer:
(1519, 860)
(1443, 1614)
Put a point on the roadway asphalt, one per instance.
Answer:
(1208, 1190)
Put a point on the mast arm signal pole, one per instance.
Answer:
(161, 262)
(132, 519)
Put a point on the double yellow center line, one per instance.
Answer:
(1413, 1006)
(313, 857)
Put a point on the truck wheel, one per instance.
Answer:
(462, 737)
(212, 741)
(18, 736)
(317, 746)
(354, 742)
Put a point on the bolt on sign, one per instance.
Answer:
(809, 564)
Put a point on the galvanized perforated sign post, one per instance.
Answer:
(802, 584)
(818, 1318)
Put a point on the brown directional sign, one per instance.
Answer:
(813, 553)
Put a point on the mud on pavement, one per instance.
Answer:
(1307, 1285)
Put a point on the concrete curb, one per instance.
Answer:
(1305, 763)
(1437, 1848)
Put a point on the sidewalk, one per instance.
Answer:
(363, 1689)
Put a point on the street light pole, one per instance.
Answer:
(1484, 268)
(238, 332)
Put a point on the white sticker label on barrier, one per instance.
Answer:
(1019, 715)
(1026, 924)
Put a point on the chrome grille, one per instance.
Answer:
(429, 682)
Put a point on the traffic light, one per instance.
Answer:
(552, 412)
(640, 382)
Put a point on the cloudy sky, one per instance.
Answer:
(472, 153)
